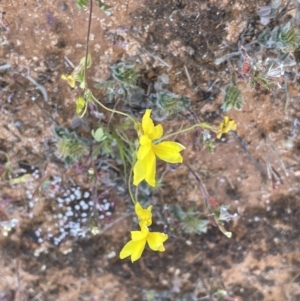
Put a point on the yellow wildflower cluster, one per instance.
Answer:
(150, 147)
(145, 167)
(136, 245)
(226, 126)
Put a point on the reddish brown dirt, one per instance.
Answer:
(260, 262)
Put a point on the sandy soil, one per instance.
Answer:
(260, 262)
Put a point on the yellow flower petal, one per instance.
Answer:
(219, 135)
(145, 170)
(150, 168)
(145, 147)
(69, 79)
(144, 215)
(157, 132)
(136, 246)
(226, 126)
(145, 167)
(138, 172)
(168, 151)
(80, 104)
(155, 241)
(153, 132)
(138, 235)
(147, 123)
(133, 249)
(145, 140)
(232, 125)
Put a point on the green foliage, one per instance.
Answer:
(285, 38)
(168, 103)
(123, 84)
(258, 80)
(232, 98)
(152, 295)
(82, 3)
(189, 220)
(222, 214)
(112, 143)
(99, 134)
(69, 146)
(126, 74)
(79, 72)
(104, 7)
(5, 169)
(106, 143)
(288, 38)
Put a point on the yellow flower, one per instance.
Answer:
(136, 245)
(226, 126)
(70, 79)
(145, 167)
(80, 105)
(144, 215)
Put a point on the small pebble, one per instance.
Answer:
(106, 206)
(63, 6)
(18, 123)
(111, 255)
(77, 194)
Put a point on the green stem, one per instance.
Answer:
(202, 125)
(129, 186)
(112, 110)
(88, 37)
(85, 109)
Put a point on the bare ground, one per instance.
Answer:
(260, 261)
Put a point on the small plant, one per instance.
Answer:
(189, 220)
(219, 216)
(232, 98)
(207, 140)
(285, 38)
(166, 103)
(69, 146)
(82, 3)
(104, 7)
(136, 141)
(267, 13)
(126, 74)
(153, 295)
(123, 84)
(288, 39)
